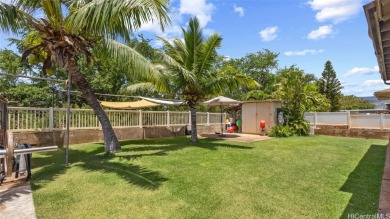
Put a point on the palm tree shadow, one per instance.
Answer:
(161, 147)
(51, 165)
(364, 182)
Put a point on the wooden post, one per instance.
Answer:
(349, 119)
(168, 119)
(9, 153)
(208, 118)
(51, 119)
(140, 119)
(382, 121)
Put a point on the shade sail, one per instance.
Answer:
(221, 101)
(164, 102)
(383, 94)
(128, 105)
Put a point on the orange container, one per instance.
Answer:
(262, 124)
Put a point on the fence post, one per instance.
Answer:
(51, 118)
(140, 119)
(315, 118)
(168, 119)
(382, 121)
(348, 119)
(208, 118)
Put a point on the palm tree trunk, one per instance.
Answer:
(194, 132)
(111, 143)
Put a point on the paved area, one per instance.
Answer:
(237, 137)
(16, 201)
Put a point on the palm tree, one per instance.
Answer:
(187, 68)
(69, 30)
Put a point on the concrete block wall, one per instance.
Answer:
(96, 135)
(344, 131)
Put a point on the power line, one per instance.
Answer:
(37, 78)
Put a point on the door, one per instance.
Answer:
(263, 113)
(249, 121)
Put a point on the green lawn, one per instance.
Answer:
(297, 177)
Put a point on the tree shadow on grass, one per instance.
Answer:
(161, 147)
(51, 165)
(364, 182)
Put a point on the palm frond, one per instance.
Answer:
(117, 18)
(181, 49)
(207, 54)
(171, 50)
(179, 70)
(53, 11)
(193, 38)
(144, 86)
(11, 20)
(135, 64)
(229, 79)
(29, 6)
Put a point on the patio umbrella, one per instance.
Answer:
(221, 101)
(383, 94)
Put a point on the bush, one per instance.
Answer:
(300, 127)
(281, 131)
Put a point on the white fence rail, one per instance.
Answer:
(363, 121)
(49, 119)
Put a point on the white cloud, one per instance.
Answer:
(362, 71)
(269, 33)
(239, 10)
(371, 83)
(303, 52)
(367, 88)
(335, 10)
(199, 8)
(208, 31)
(321, 33)
(173, 29)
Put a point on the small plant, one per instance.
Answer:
(281, 131)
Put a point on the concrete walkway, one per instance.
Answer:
(16, 201)
(239, 137)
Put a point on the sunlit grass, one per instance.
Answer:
(300, 177)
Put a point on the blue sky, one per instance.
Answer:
(304, 32)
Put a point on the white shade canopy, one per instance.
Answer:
(221, 101)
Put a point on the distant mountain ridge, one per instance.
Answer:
(379, 104)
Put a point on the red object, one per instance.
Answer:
(232, 129)
(262, 124)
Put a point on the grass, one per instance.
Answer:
(297, 177)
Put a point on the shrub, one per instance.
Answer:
(300, 127)
(281, 131)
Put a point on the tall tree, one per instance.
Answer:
(259, 66)
(330, 86)
(298, 94)
(187, 69)
(70, 29)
